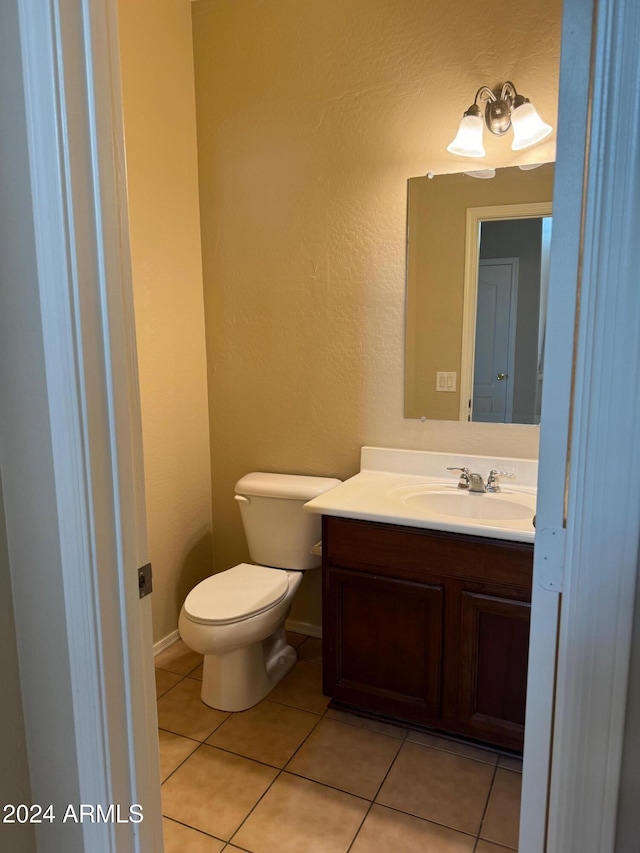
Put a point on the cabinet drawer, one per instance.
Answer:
(414, 554)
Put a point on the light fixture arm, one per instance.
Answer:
(499, 107)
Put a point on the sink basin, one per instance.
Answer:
(456, 503)
(417, 488)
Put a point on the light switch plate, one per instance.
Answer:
(446, 381)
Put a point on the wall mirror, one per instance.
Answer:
(477, 268)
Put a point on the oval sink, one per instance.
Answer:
(469, 505)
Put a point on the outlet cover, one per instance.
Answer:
(446, 381)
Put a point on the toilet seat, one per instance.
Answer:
(236, 594)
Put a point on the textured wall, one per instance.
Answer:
(159, 117)
(311, 117)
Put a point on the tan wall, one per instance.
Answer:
(311, 117)
(159, 116)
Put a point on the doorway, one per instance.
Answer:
(494, 354)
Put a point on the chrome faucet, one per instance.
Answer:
(463, 482)
(472, 482)
(475, 483)
(492, 482)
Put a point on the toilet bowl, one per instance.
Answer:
(236, 617)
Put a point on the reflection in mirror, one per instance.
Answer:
(477, 273)
(504, 314)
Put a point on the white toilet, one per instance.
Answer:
(236, 618)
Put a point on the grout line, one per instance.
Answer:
(195, 829)
(164, 692)
(278, 775)
(433, 822)
(486, 805)
(302, 742)
(357, 832)
(186, 737)
(327, 785)
(255, 806)
(401, 741)
(191, 754)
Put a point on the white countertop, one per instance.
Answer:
(387, 476)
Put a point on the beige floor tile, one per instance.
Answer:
(302, 688)
(269, 732)
(165, 681)
(386, 830)
(299, 816)
(197, 672)
(489, 756)
(488, 847)
(213, 791)
(310, 650)
(502, 821)
(346, 757)
(178, 658)
(179, 838)
(173, 751)
(366, 723)
(182, 711)
(510, 762)
(440, 786)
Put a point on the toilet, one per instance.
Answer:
(236, 618)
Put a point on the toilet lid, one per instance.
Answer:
(235, 594)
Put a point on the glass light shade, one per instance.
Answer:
(483, 174)
(528, 127)
(468, 141)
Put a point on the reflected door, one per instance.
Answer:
(494, 355)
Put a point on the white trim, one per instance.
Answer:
(556, 402)
(475, 216)
(84, 367)
(166, 642)
(603, 512)
(305, 628)
(593, 248)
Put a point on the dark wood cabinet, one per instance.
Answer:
(427, 627)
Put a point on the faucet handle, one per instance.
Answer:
(463, 482)
(492, 480)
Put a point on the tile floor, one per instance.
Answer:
(291, 776)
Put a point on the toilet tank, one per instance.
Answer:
(279, 533)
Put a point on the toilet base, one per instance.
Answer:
(242, 677)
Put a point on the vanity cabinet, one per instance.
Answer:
(427, 627)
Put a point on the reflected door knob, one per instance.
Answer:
(501, 376)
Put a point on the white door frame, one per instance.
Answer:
(70, 448)
(586, 556)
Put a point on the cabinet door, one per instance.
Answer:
(493, 678)
(383, 644)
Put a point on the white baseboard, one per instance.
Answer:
(167, 641)
(305, 628)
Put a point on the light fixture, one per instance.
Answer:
(503, 109)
